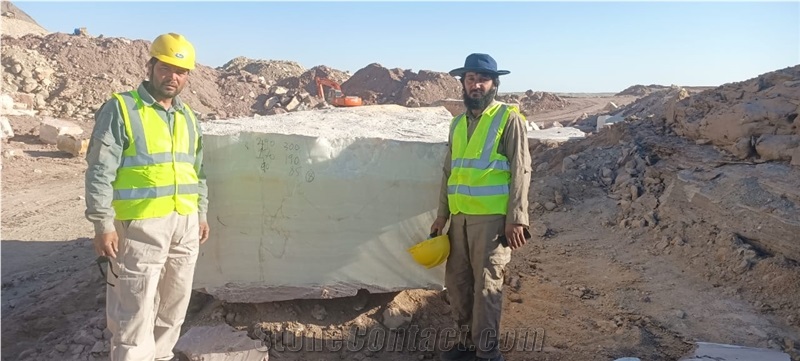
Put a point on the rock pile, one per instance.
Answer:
(69, 76)
(378, 85)
(656, 104)
(306, 81)
(752, 118)
(427, 87)
(641, 90)
(535, 102)
(272, 71)
(756, 117)
(26, 71)
(282, 100)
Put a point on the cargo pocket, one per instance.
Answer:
(132, 316)
(495, 269)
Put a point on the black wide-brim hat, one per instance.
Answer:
(479, 63)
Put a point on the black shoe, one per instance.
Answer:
(459, 352)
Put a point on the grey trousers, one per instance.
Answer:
(147, 305)
(474, 277)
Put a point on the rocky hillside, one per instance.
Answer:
(755, 118)
(70, 76)
(15, 22)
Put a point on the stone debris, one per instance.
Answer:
(553, 136)
(6, 132)
(722, 352)
(534, 102)
(220, 343)
(52, 128)
(395, 318)
(605, 121)
(610, 107)
(73, 145)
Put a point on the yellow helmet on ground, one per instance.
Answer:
(173, 49)
(431, 252)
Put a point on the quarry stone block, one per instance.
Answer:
(51, 128)
(320, 204)
(72, 145)
(605, 121)
(553, 136)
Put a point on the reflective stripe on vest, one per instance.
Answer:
(480, 176)
(156, 175)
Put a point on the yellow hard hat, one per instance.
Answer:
(431, 252)
(173, 49)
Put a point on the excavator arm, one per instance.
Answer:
(338, 99)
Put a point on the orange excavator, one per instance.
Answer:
(337, 98)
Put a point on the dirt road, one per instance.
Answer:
(578, 106)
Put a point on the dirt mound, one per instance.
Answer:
(71, 76)
(753, 117)
(662, 184)
(756, 117)
(9, 10)
(535, 102)
(655, 104)
(375, 84)
(641, 90)
(273, 71)
(307, 82)
(379, 85)
(428, 87)
(16, 22)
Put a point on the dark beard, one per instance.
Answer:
(480, 103)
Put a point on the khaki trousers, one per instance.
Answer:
(155, 269)
(474, 279)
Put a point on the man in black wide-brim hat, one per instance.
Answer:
(487, 174)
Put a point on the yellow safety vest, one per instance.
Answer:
(157, 174)
(480, 176)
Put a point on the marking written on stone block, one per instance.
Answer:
(283, 156)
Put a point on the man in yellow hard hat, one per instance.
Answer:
(147, 198)
(487, 174)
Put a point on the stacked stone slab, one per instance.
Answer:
(323, 203)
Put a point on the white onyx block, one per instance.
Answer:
(320, 204)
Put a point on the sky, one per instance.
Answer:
(547, 46)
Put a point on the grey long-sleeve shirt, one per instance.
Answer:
(514, 145)
(105, 156)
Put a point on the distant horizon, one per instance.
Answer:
(557, 47)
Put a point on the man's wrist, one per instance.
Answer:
(517, 220)
(103, 227)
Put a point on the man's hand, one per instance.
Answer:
(204, 231)
(438, 225)
(107, 244)
(515, 236)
